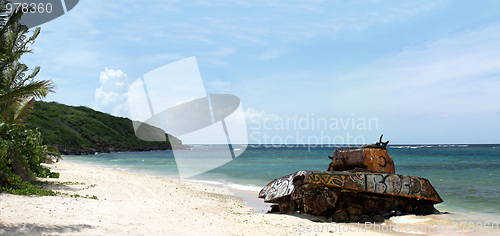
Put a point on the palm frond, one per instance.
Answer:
(18, 89)
(22, 109)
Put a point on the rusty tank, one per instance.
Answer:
(360, 185)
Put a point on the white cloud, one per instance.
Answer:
(259, 116)
(108, 75)
(252, 113)
(111, 97)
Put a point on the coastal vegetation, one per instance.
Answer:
(21, 149)
(77, 130)
(34, 132)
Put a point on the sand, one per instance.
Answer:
(132, 204)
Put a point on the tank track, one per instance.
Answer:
(343, 205)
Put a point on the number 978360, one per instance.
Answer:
(469, 227)
(29, 7)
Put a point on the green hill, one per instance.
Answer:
(81, 130)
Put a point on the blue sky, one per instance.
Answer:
(421, 71)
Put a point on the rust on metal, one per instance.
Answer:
(374, 159)
(387, 184)
(360, 185)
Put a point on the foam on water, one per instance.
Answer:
(251, 188)
(208, 182)
(409, 219)
(228, 185)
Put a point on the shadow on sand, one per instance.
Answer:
(35, 229)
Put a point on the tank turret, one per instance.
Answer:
(372, 157)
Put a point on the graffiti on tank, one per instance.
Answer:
(389, 184)
(280, 187)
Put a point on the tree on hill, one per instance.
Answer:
(21, 149)
(82, 130)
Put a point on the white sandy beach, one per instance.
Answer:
(132, 204)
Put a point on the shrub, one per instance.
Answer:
(21, 155)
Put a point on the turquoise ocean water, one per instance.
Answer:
(467, 177)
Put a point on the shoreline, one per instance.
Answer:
(129, 203)
(140, 204)
(250, 197)
(99, 150)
